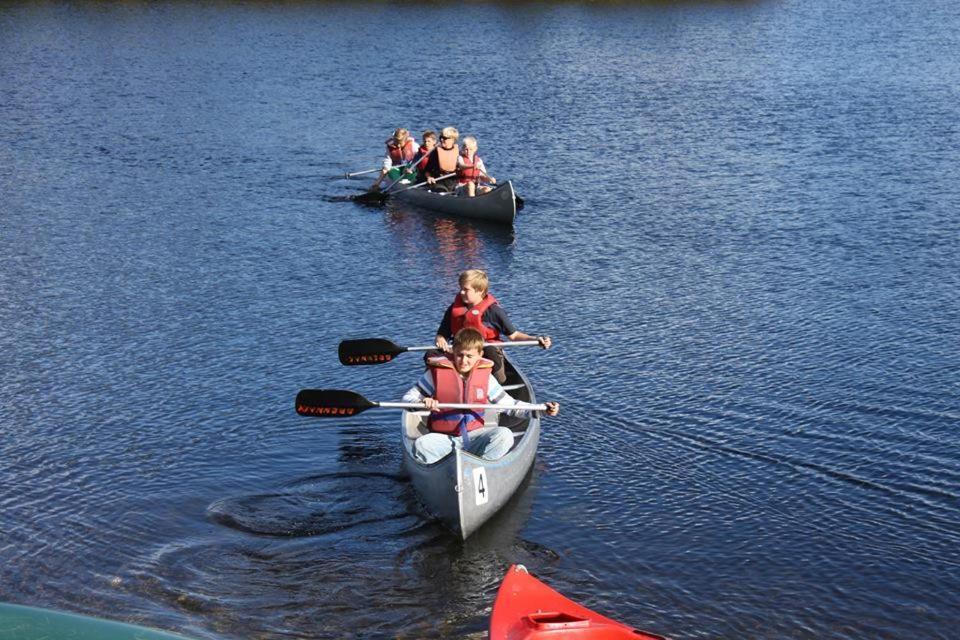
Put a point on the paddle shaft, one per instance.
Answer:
(419, 405)
(403, 170)
(336, 403)
(359, 173)
(420, 184)
(516, 343)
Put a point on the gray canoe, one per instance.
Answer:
(462, 490)
(498, 205)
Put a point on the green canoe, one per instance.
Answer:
(29, 623)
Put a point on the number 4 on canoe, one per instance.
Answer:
(337, 403)
(380, 350)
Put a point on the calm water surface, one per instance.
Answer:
(741, 231)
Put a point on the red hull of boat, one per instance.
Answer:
(527, 609)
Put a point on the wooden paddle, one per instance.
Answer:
(379, 197)
(380, 350)
(337, 403)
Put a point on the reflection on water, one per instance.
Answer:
(451, 242)
(740, 232)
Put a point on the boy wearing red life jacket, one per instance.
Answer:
(428, 142)
(463, 377)
(474, 306)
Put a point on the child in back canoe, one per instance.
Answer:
(474, 306)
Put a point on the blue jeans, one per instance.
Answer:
(490, 443)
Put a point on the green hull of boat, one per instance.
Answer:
(29, 623)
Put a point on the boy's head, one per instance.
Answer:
(429, 138)
(477, 282)
(467, 349)
(469, 144)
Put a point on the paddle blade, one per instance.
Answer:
(331, 403)
(373, 198)
(368, 351)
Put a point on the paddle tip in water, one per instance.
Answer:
(371, 198)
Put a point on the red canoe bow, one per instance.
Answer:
(527, 609)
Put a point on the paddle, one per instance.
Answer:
(379, 197)
(404, 168)
(380, 350)
(359, 173)
(337, 403)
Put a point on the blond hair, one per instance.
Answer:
(466, 339)
(476, 278)
(450, 132)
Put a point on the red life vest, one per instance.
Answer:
(451, 388)
(468, 171)
(401, 155)
(461, 317)
(424, 158)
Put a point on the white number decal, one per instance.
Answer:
(481, 490)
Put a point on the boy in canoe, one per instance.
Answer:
(463, 377)
(474, 306)
(428, 142)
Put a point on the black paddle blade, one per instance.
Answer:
(331, 403)
(519, 200)
(372, 198)
(367, 351)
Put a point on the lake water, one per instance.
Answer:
(741, 231)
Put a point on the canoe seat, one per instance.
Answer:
(416, 424)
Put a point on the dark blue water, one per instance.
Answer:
(741, 231)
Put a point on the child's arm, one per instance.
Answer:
(443, 331)
(544, 341)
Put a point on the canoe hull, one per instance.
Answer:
(498, 205)
(462, 490)
(32, 623)
(527, 609)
